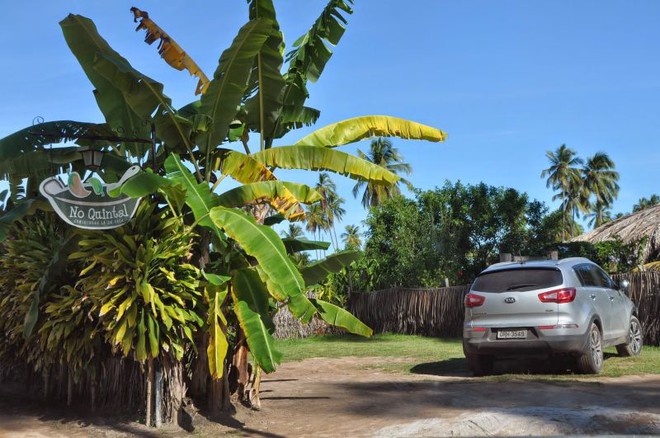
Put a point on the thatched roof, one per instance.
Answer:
(631, 228)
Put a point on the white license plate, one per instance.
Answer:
(512, 334)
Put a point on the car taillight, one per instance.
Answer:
(558, 296)
(474, 300)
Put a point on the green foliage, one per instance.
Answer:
(138, 291)
(318, 271)
(27, 283)
(614, 256)
(146, 296)
(452, 233)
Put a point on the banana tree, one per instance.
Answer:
(246, 272)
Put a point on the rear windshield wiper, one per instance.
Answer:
(521, 286)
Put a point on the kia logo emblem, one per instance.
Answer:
(509, 300)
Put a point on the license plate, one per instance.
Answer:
(512, 334)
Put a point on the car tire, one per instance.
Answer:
(633, 346)
(591, 359)
(480, 364)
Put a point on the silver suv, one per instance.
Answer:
(568, 306)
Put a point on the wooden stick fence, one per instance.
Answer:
(645, 292)
(428, 312)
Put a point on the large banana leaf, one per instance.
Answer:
(297, 245)
(261, 9)
(358, 128)
(169, 50)
(199, 197)
(128, 100)
(250, 297)
(243, 168)
(229, 83)
(123, 93)
(311, 52)
(25, 153)
(264, 107)
(306, 62)
(285, 197)
(275, 268)
(174, 129)
(339, 317)
(318, 271)
(218, 344)
(320, 158)
(143, 184)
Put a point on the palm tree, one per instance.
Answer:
(316, 221)
(644, 203)
(295, 231)
(563, 176)
(351, 237)
(331, 205)
(600, 214)
(381, 153)
(600, 181)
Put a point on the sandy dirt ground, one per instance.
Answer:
(348, 398)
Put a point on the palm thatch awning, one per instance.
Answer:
(630, 229)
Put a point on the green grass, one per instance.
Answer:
(433, 356)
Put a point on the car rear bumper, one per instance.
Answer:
(537, 342)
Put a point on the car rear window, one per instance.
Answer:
(519, 279)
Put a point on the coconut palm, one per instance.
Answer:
(351, 237)
(383, 154)
(295, 231)
(316, 221)
(600, 214)
(644, 203)
(600, 181)
(331, 205)
(563, 176)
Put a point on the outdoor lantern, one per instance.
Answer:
(92, 157)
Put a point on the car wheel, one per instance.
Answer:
(634, 344)
(480, 364)
(591, 360)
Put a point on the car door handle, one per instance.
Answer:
(593, 296)
(611, 298)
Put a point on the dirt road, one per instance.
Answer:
(345, 397)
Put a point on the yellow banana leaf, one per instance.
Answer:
(282, 196)
(358, 128)
(218, 344)
(169, 50)
(320, 158)
(243, 168)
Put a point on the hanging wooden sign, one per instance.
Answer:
(89, 205)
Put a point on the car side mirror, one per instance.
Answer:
(624, 285)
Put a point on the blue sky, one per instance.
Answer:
(506, 80)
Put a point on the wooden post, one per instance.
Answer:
(46, 381)
(69, 388)
(93, 394)
(159, 396)
(150, 387)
